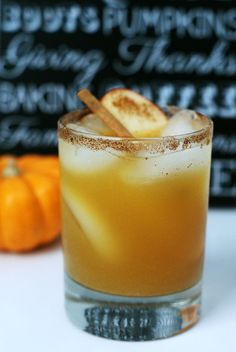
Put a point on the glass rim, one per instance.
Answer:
(186, 140)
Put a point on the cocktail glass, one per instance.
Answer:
(134, 217)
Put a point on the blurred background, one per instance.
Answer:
(173, 52)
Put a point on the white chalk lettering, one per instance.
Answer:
(11, 18)
(229, 103)
(22, 54)
(48, 98)
(186, 95)
(207, 102)
(199, 22)
(196, 22)
(208, 97)
(90, 22)
(166, 94)
(224, 144)
(223, 178)
(152, 55)
(18, 131)
(49, 19)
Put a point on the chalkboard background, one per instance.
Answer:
(174, 52)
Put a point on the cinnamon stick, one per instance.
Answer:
(109, 119)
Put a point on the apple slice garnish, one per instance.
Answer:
(137, 114)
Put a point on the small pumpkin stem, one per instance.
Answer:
(11, 169)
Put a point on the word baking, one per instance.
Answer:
(48, 98)
(196, 22)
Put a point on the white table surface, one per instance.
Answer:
(32, 316)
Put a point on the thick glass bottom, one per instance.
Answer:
(131, 318)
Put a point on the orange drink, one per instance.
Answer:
(134, 217)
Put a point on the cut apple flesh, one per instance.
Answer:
(139, 115)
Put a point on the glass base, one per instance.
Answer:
(131, 318)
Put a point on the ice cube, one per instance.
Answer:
(78, 158)
(79, 127)
(95, 226)
(184, 121)
(140, 171)
(94, 123)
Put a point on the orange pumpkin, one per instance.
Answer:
(29, 201)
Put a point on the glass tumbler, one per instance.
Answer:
(134, 216)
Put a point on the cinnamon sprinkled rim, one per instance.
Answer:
(151, 144)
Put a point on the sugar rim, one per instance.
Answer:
(202, 136)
